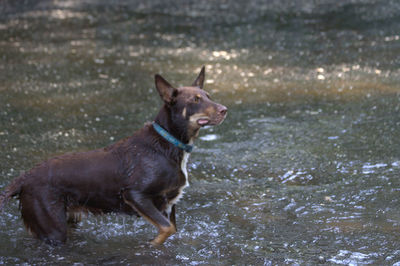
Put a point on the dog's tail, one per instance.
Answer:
(11, 190)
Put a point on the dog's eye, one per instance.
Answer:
(197, 98)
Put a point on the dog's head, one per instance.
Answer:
(191, 105)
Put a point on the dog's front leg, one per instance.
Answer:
(146, 208)
(172, 216)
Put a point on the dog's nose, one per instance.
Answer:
(222, 110)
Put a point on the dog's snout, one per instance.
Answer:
(222, 110)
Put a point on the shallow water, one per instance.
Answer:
(304, 170)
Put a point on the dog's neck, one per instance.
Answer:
(178, 129)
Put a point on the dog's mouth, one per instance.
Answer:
(210, 122)
(203, 121)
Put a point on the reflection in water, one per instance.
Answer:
(303, 171)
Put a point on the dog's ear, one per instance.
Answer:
(165, 89)
(200, 79)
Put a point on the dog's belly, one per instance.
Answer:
(99, 204)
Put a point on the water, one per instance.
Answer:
(305, 169)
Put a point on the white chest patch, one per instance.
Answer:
(184, 167)
(185, 173)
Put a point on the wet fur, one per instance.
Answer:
(140, 175)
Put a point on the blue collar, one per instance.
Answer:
(172, 139)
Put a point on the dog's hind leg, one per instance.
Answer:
(146, 208)
(44, 215)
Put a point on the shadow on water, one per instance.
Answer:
(305, 169)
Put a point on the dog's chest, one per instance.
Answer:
(179, 195)
(184, 168)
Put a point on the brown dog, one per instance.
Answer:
(144, 174)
